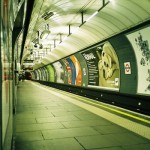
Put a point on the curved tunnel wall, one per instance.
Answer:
(115, 68)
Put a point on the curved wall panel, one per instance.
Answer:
(121, 64)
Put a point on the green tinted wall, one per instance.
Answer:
(125, 53)
(51, 73)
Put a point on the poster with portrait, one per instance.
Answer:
(103, 67)
(140, 41)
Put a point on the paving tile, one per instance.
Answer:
(60, 112)
(72, 108)
(25, 121)
(108, 129)
(56, 144)
(20, 116)
(56, 119)
(83, 123)
(111, 140)
(80, 112)
(63, 133)
(24, 112)
(24, 116)
(67, 118)
(64, 113)
(37, 127)
(128, 138)
(43, 115)
(63, 144)
(97, 141)
(20, 109)
(35, 108)
(110, 148)
(46, 120)
(89, 117)
(137, 147)
(50, 104)
(55, 108)
(29, 136)
(40, 112)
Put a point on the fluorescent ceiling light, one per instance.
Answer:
(44, 34)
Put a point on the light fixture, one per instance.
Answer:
(45, 33)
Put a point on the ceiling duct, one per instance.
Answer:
(47, 15)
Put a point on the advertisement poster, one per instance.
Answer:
(73, 70)
(59, 72)
(103, 67)
(78, 77)
(65, 71)
(46, 74)
(42, 74)
(36, 76)
(51, 74)
(140, 41)
(69, 71)
(92, 59)
(84, 70)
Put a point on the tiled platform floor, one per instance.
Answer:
(47, 122)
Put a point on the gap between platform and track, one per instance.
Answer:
(95, 107)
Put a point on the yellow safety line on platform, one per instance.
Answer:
(112, 109)
(120, 112)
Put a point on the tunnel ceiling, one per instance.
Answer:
(72, 25)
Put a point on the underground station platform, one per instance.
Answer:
(51, 119)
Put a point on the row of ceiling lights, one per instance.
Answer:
(47, 31)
